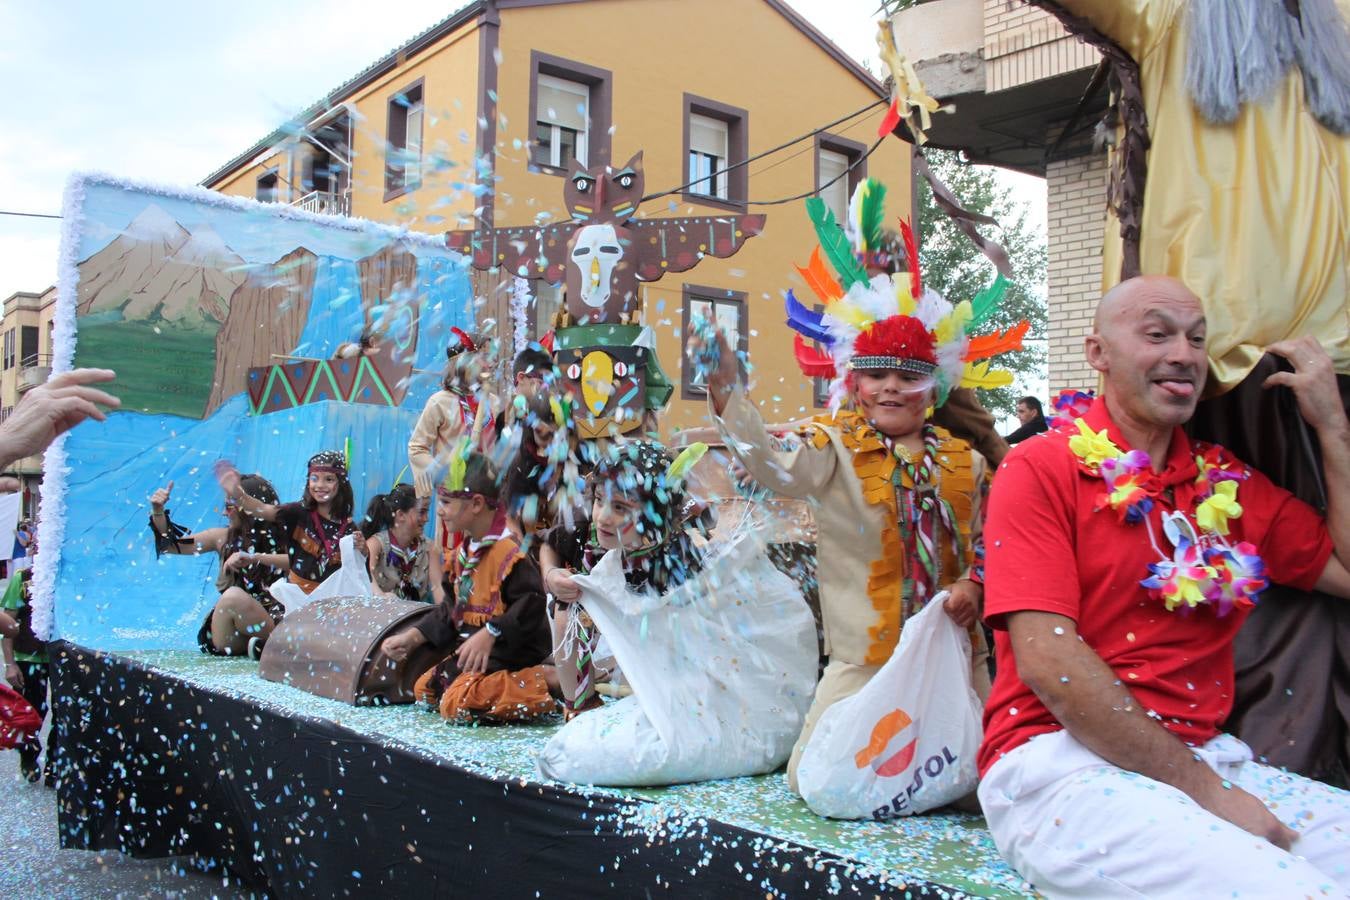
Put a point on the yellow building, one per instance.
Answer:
(26, 361)
(473, 122)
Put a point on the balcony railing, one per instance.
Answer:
(326, 203)
(34, 370)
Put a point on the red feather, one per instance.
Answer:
(902, 336)
(912, 257)
(813, 363)
(891, 119)
(547, 341)
(464, 340)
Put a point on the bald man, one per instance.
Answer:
(1104, 769)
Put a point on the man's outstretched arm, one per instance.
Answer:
(1084, 694)
(1313, 382)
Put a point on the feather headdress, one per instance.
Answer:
(885, 321)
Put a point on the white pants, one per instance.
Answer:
(1074, 825)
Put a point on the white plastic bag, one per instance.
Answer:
(907, 741)
(722, 669)
(351, 580)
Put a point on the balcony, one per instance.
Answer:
(324, 202)
(34, 370)
(1011, 74)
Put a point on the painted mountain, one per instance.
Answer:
(150, 303)
(158, 271)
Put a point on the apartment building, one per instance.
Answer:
(26, 361)
(473, 123)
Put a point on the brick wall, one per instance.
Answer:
(1076, 212)
(1023, 43)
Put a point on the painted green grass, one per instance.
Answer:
(165, 372)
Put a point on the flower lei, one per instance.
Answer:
(1204, 568)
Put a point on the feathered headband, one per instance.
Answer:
(884, 321)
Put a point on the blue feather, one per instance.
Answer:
(806, 322)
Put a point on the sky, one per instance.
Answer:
(166, 91)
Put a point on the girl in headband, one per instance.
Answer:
(252, 556)
(312, 527)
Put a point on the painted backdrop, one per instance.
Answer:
(223, 319)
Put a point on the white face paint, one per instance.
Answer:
(596, 251)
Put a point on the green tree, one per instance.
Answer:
(955, 267)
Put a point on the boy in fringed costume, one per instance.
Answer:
(492, 625)
(896, 499)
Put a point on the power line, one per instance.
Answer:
(27, 215)
(811, 193)
(769, 152)
(705, 178)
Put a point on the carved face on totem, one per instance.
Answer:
(601, 273)
(608, 387)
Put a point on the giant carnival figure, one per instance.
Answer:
(1231, 172)
(607, 357)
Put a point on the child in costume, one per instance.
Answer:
(543, 481)
(897, 499)
(25, 656)
(312, 528)
(451, 412)
(398, 552)
(646, 515)
(461, 409)
(717, 645)
(492, 624)
(252, 556)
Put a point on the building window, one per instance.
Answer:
(708, 152)
(716, 136)
(562, 111)
(820, 387)
(840, 168)
(403, 147)
(9, 350)
(728, 310)
(572, 108)
(28, 345)
(267, 190)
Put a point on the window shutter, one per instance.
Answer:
(563, 103)
(708, 136)
(833, 165)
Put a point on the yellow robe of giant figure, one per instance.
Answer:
(1254, 217)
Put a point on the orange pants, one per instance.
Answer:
(497, 698)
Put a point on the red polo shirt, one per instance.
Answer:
(1048, 551)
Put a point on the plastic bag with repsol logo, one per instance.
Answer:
(907, 741)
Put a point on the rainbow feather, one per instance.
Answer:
(805, 321)
(912, 257)
(867, 214)
(690, 455)
(835, 244)
(987, 300)
(819, 279)
(812, 362)
(979, 375)
(993, 344)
